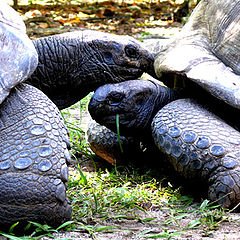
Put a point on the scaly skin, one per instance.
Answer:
(75, 63)
(33, 138)
(202, 147)
(106, 144)
(33, 159)
(199, 144)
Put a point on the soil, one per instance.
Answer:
(129, 229)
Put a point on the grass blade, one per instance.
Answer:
(118, 133)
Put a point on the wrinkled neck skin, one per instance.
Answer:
(164, 96)
(68, 65)
(71, 66)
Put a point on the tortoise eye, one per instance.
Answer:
(115, 98)
(131, 51)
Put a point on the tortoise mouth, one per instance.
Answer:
(110, 121)
(129, 74)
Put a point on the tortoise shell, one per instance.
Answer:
(207, 50)
(18, 57)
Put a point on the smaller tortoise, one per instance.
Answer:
(199, 144)
(201, 138)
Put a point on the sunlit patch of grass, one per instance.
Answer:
(111, 197)
(40, 230)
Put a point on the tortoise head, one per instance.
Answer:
(75, 63)
(117, 57)
(135, 101)
(18, 57)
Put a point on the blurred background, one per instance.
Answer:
(131, 17)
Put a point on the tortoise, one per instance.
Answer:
(34, 140)
(198, 132)
(73, 64)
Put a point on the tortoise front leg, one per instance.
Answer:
(200, 146)
(33, 160)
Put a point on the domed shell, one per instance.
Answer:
(18, 57)
(207, 50)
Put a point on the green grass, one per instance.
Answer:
(77, 135)
(107, 200)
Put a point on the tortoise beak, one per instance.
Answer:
(147, 65)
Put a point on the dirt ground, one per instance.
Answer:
(228, 231)
(132, 229)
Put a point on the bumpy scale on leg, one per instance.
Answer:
(106, 144)
(202, 147)
(33, 159)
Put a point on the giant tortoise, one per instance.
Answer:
(34, 141)
(199, 132)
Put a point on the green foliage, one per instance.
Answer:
(40, 230)
(118, 132)
(76, 133)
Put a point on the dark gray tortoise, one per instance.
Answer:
(34, 142)
(199, 132)
(200, 145)
(75, 63)
(33, 138)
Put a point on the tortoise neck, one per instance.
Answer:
(164, 96)
(63, 73)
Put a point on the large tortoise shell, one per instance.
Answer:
(207, 50)
(18, 57)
